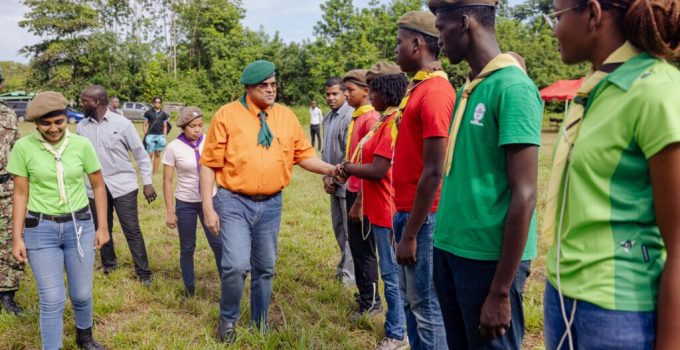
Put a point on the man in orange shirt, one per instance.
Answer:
(250, 149)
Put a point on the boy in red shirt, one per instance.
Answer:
(361, 242)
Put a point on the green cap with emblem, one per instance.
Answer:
(257, 72)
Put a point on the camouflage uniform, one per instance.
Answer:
(11, 270)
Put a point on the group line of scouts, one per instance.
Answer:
(434, 189)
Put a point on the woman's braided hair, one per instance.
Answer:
(652, 26)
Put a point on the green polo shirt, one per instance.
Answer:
(504, 109)
(30, 159)
(611, 251)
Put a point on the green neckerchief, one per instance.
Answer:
(265, 136)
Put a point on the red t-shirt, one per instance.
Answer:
(362, 125)
(428, 114)
(378, 194)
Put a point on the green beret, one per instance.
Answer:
(437, 6)
(380, 69)
(357, 76)
(47, 103)
(257, 72)
(187, 115)
(419, 21)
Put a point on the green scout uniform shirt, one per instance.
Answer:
(612, 254)
(30, 159)
(503, 109)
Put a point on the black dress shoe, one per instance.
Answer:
(84, 340)
(7, 303)
(226, 331)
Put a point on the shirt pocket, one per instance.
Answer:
(113, 139)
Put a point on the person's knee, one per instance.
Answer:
(52, 303)
(81, 297)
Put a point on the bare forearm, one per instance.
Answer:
(19, 203)
(668, 324)
(317, 165)
(167, 188)
(426, 192)
(100, 200)
(515, 236)
(372, 171)
(207, 180)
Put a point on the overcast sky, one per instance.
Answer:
(294, 19)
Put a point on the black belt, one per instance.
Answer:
(260, 197)
(82, 214)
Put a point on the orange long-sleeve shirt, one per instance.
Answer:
(243, 166)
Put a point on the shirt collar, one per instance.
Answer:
(634, 65)
(344, 109)
(106, 117)
(251, 107)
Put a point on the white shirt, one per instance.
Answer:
(182, 157)
(315, 116)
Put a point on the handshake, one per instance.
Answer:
(338, 178)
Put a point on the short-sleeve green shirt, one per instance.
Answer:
(30, 159)
(611, 251)
(504, 109)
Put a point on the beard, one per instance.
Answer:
(91, 113)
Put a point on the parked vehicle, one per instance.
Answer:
(74, 116)
(134, 110)
(19, 108)
(171, 107)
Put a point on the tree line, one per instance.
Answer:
(193, 51)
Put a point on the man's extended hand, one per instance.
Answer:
(328, 185)
(406, 251)
(149, 193)
(495, 316)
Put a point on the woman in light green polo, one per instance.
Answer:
(614, 197)
(53, 227)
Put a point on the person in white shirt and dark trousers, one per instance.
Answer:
(315, 118)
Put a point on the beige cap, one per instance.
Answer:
(419, 21)
(382, 68)
(187, 115)
(47, 103)
(357, 76)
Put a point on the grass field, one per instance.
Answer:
(309, 309)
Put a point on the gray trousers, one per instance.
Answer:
(339, 218)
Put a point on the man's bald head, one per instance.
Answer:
(96, 92)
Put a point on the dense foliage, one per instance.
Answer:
(192, 51)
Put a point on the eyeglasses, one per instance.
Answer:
(553, 18)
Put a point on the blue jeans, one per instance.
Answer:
(249, 232)
(594, 327)
(424, 323)
(395, 321)
(462, 286)
(51, 247)
(188, 215)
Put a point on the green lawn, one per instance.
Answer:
(309, 309)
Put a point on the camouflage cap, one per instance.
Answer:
(437, 6)
(356, 76)
(46, 104)
(187, 115)
(419, 21)
(380, 69)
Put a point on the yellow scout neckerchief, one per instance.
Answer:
(499, 62)
(570, 129)
(57, 153)
(422, 75)
(356, 156)
(357, 113)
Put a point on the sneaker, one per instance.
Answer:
(388, 343)
(363, 311)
